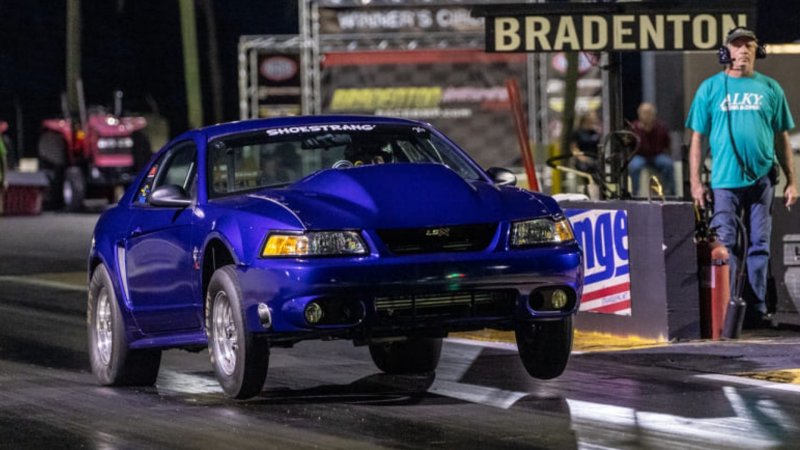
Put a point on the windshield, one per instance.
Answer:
(280, 156)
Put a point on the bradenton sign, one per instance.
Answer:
(643, 26)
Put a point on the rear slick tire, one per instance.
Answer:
(545, 346)
(414, 355)
(112, 361)
(240, 359)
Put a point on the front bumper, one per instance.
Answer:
(110, 176)
(391, 296)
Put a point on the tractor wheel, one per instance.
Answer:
(52, 149)
(73, 190)
(53, 158)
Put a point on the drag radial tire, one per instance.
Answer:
(414, 355)
(113, 363)
(240, 359)
(544, 346)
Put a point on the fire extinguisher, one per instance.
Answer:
(712, 259)
(721, 311)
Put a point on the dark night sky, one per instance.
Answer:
(133, 45)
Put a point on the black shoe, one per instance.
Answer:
(759, 322)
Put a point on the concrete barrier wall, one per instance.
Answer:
(662, 267)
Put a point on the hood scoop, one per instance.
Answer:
(401, 195)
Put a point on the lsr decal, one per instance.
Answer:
(603, 235)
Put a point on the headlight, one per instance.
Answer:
(108, 143)
(540, 231)
(104, 143)
(316, 243)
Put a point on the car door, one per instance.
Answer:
(159, 249)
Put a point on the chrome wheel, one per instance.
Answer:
(113, 362)
(225, 334)
(240, 358)
(103, 327)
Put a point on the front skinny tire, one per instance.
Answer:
(545, 346)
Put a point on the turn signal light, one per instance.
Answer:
(315, 243)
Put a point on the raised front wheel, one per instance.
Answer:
(545, 346)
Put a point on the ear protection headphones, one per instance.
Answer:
(724, 53)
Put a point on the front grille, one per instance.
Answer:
(500, 303)
(114, 151)
(461, 238)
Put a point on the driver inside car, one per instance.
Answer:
(368, 153)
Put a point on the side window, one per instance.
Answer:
(177, 167)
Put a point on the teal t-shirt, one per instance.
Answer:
(757, 109)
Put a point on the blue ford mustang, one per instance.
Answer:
(242, 236)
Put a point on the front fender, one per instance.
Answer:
(243, 234)
(62, 127)
(216, 236)
(105, 251)
(228, 231)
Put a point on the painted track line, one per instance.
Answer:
(763, 384)
(31, 281)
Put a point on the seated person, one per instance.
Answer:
(584, 142)
(584, 145)
(654, 149)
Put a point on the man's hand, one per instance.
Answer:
(700, 194)
(783, 150)
(790, 194)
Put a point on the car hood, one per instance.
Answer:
(396, 196)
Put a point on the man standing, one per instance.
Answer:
(746, 118)
(654, 149)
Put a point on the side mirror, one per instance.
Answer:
(502, 177)
(170, 195)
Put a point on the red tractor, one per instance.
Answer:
(95, 158)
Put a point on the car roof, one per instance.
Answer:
(214, 131)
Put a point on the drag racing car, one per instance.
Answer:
(250, 235)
